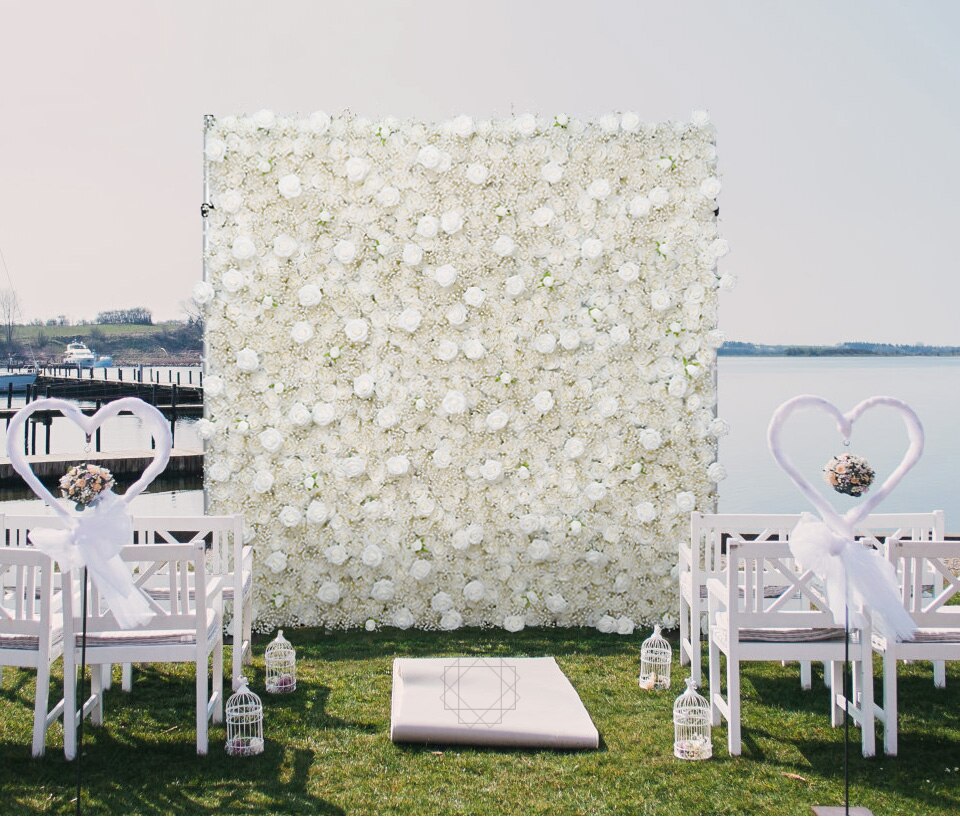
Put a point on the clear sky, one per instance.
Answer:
(839, 131)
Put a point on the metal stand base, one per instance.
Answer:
(840, 811)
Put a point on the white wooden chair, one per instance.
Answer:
(796, 626)
(31, 628)
(927, 584)
(186, 626)
(226, 556)
(704, 558)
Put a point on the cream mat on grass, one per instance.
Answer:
(489, 701)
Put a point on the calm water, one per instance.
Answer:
(750, 390)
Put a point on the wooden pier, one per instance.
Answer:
(122, 463)
(107, 390)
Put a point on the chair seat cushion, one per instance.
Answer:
(785, 635)
(177, 636)
(935, 635)
(28, 642)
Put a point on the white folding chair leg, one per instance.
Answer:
(684, 631)
(714, 684)
(836, 689)
(868, 733)
(939, 674)
(107, 676)
(889, 704)
(96, 689)
(806, 675)
(826, 674)
(40, 708)
(69, 712)
(733, 706)
(126, 680)
(202, 693)
(217, 687)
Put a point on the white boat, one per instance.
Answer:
(78, 354)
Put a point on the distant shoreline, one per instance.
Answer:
(846, 349)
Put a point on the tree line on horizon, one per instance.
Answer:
(845, 348)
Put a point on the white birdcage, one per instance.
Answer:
(244, 716)
(691, 725)
(655, 657)
(281, 662)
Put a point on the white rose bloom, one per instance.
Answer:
(457, 315)
(429, 157)
(678, 387)
(247, 360)
(319, 122)
(719, 427)
(477, 173)
(317, 513)
(323, 413)
(595, 491)
(660, 300)
(243, 248)
(289, 186)
(271, 439)
(309, 295)
(264, 118)
(492, 470)
(545, 343)
(515, 286)
(628, 272)
(402, 619)
(474, 349)
(215, 150)
(345, 251)
(497, 420)
(409, 320)
(659, 196)
(700, 117)
(213, 385)
(284, 245)
(451, 222)
(606, 624)
(262, 481)
(412, 255)
(219, 471)
(504, 246)
(539, 550)
(454, 403)
(231, 201)
(716, 472)
(233, 280)
(569, 339)
(525, 125)
(646, 512)
(715, 338)
(336, 554)
(299, 415)
(556, 604)
(639, 207)
(686, 501)
(591, 249)
(727, 281)
(388, 417)
(383, 590)
(625, 625)
(372, 556)
(445, 275)
(542, 217)
(551, 172)
(543, 401)
(301, 332)
(531, 523)
(513, 623)
(353, 466)
(451, 621)
(629, 121)
(474, 590)
(619, 334)
(710, 188)
(329, 593)
(599, 189)
(420, 569)
(389, 196)
(446, 350)
(574, 448)
(428, 226)
(356, 169)
(363, 386)
(356, 330)
(441, 601)
(203, 293)
(290, 516)
(650, 439)
(608, 406)
(462, 126)
(398, 465)
(474, 296)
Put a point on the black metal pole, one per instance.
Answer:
(83, 671)
(846, 712)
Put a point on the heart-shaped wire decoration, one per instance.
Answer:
(846, 523)
(148, 414)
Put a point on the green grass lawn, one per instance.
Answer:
(328, 749)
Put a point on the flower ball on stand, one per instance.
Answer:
(84, 484)
(849, 474)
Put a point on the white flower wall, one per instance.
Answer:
(462, 374)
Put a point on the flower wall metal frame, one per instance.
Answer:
(462, 373)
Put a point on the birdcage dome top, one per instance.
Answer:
(243, 697)
(655, 642)
(278, 645)
(690, 700)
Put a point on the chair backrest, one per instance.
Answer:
(16, 527)
(221, 535)
(877, 528)
(177, 569)
(756, 566)
(26, 594)
(927, 581)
